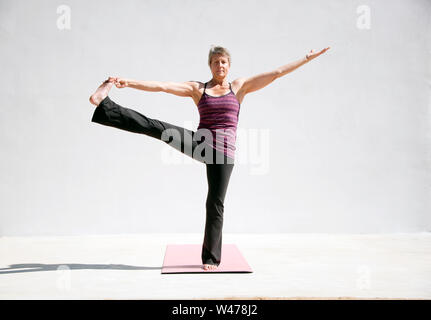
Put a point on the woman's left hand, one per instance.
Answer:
(312, 54)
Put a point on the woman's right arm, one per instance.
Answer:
(182, 89)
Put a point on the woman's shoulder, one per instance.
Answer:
(238, 82)
(198, 89)
(197, 83)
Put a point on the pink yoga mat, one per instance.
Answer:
(186, 258)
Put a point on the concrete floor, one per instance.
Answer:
(286, 266)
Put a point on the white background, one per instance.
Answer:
(349, 133)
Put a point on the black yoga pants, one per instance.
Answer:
(218, 166)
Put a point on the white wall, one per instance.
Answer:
(349, 133)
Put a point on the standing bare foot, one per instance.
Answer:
(102, 92)
(210, 267)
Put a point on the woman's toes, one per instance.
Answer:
(210, 267)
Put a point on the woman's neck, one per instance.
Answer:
(220, 82)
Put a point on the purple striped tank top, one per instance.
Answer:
(220, 116)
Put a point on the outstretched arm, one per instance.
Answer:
(260, 81)
(182, 89)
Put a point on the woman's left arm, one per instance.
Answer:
(262, 80)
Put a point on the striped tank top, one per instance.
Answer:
(220, 116)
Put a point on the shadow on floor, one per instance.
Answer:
(35, 267)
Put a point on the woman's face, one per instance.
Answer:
(219, 66)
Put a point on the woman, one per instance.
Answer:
(219, 111)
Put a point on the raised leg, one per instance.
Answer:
(189, 142)
(112, 114)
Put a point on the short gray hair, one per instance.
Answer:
(218, 50)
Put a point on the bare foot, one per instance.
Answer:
(102, 92)
(210, 267)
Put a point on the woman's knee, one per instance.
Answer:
(215, 204)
